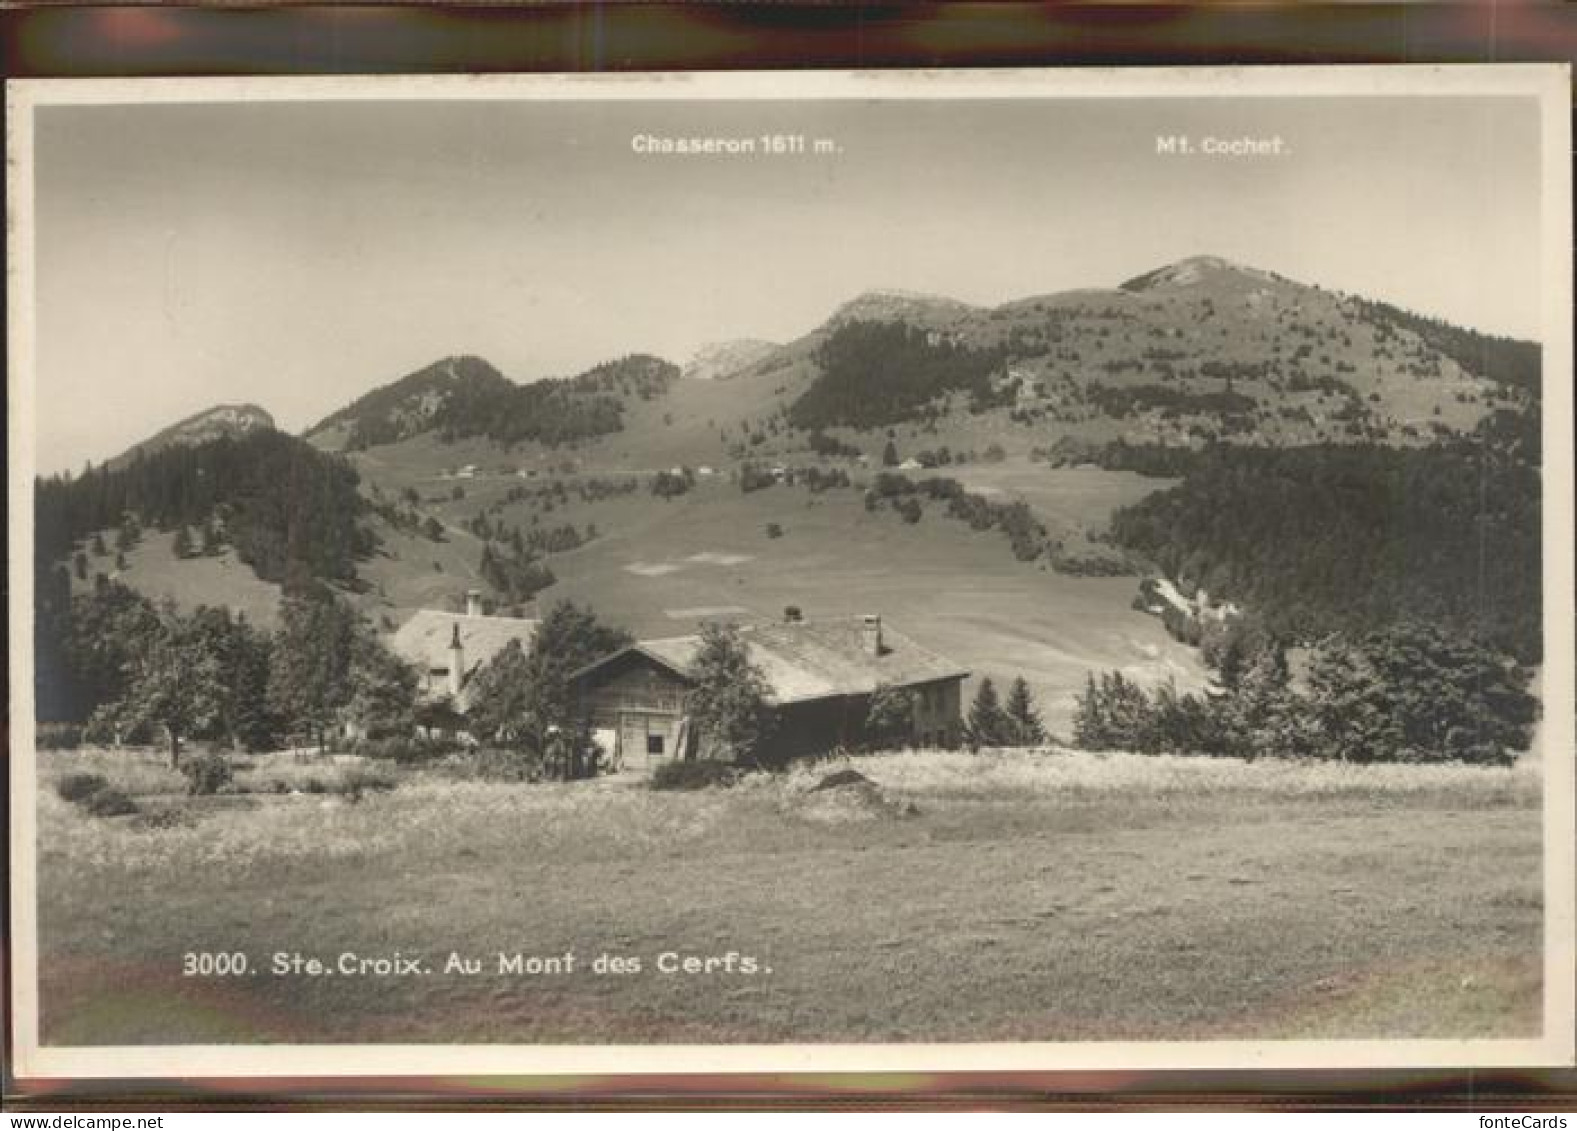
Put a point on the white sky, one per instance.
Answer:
(297, 255)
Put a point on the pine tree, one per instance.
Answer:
(381, 697)
(309, 665)
(729, 702)
(99, 549)
(1114, 713)
(244, 719)
(1258, 709)
(1024, 721)
(1418, 693)
(890, 455)
(988, 724)
(1090, 726)
(889, 719)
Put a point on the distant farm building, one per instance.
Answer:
(822, 675)
(448, 649)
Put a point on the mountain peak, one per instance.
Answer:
(200, 427)
(1197, 269)
(717, 361)
(894, 305)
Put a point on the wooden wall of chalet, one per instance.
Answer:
(636, 686)
(632, 683)
(938, 717)
(823, 725)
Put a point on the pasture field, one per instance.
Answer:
(959, 592)
(1003, 896)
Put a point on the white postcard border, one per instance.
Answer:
(1549, 84)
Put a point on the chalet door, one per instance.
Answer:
(632, 740)
(645, 739)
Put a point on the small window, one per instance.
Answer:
(654, 744)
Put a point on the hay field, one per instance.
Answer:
(1005, 896)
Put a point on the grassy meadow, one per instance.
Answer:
(659, 567)
(1003, 896)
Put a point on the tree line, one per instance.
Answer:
(292, 513)
(1507, 361)
(1124, 400)
(1343, 538)
(1409, 692)
(1027, 536)
(466, 396)
(126, 670)
(879, 373)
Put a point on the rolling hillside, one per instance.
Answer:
(460, 397)
(457, 461)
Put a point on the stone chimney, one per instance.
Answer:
(456, 663)
(871, 633)
(473, 602)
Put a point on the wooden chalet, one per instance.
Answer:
(448, 649)
(822, 674)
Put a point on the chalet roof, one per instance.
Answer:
(812, 659)
(423, 641)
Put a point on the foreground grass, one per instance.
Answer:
(1006, 896)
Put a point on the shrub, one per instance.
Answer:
(58, 736)
(403, 751)
(753, 478)
(500, 765)
(206, 774)
(357, 781)
(109, 802)
(79, 787)
(667, 484)
(701, 774)
(314, 785)
(825, 445)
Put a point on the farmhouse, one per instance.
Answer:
(448, 649)
(822, 674)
